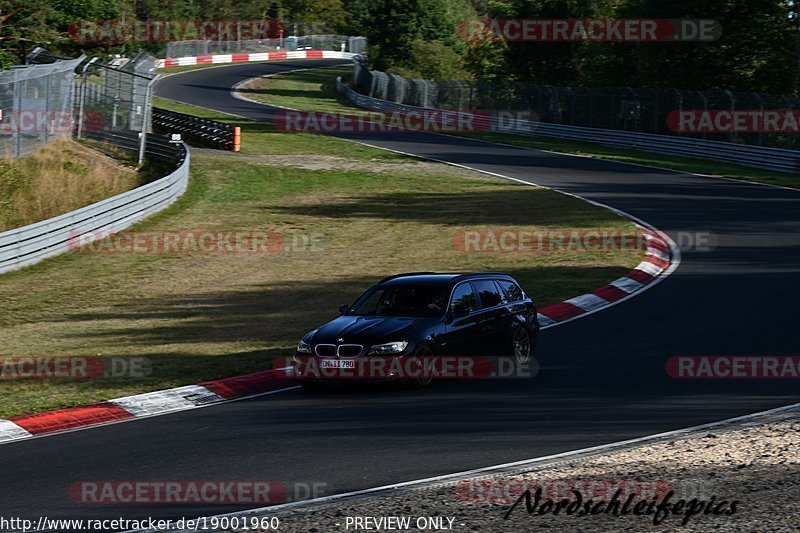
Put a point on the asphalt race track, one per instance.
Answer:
(602, 378)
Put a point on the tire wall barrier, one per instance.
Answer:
(198, 131)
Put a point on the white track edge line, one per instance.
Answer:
(675, 251)
(563, 455)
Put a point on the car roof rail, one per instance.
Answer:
(406, 274)
(468, 274)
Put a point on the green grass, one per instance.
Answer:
(309, 90)
(199, 317)
(261, 137)
(57, 178)
(206, 316)
(291, 90)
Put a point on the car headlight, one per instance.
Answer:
(388, 348)
(303, 346)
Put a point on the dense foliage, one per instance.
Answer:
(758, 50)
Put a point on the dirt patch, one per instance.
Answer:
(325, 162)
(58, 178)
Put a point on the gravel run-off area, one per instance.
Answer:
(754, 463)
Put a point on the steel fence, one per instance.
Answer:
(112, 104)
(778, 159)
(339, 43)
(613, 108)
(28, 245)
(36, 103)
(116, 99)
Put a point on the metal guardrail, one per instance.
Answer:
(767, 158)
(27, 245)
(198, 131)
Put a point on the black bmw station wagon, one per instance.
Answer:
(419, 316)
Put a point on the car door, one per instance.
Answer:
(462, 335)
(495, 317)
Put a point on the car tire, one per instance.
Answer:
(420, 382)
(522, 345)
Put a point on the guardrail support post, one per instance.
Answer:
(82, 102)
(147, 110)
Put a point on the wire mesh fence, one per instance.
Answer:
(54, 97)
(618, 108)
(116, 100)
(36, 103)
(341, 43)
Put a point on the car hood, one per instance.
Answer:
(367, 330)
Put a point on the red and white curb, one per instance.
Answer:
(657, 260)
(661, 257)
(656, 263)
(148, 404)
(248, 57)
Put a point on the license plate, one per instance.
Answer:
(337, 363)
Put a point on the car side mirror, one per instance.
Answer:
(343, 309)
(460, 310)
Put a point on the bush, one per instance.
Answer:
(434, 61)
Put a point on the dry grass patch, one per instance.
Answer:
(205, 316)
(58, 178)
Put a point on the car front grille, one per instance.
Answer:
(349, 350)
(325, 350)
(344, 350)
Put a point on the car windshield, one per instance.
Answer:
(423, 301)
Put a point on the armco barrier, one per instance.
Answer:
(753, 156)
(25, 246)
(198, 131)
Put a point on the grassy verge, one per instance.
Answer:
(315, 90)
(261, 137)
(60, 177)
(349, 217)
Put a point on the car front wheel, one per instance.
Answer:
(417, 366)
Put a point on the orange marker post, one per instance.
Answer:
(237, 138)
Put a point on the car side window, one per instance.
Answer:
(488, 293)
(464, 296)
(512, 291)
